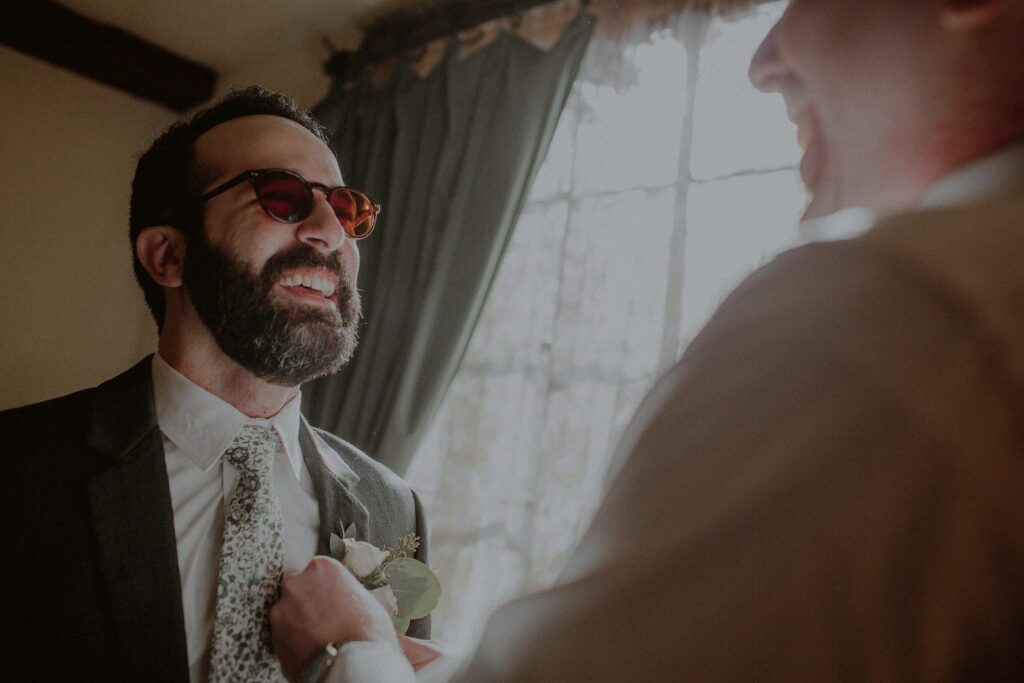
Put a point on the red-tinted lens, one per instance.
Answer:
(284, 197)
(354, 210)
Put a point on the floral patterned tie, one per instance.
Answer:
(251, 563)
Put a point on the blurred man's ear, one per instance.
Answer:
(970, 15)
(161, 250)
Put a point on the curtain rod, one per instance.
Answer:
(415, 27)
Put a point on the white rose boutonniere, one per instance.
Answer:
(404, 586)
(362, 559)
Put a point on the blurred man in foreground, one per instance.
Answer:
(828, 485)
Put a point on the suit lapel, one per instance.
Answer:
(134, 523)
(338, 507)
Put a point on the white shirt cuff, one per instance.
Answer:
(367, 661)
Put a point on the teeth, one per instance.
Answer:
(806, 130)
(805, 136)
(322, 285)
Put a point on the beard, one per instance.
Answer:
(281, 343)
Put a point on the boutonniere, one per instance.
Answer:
(405, 587)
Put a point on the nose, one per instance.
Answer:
(321, 229)
(767, 69)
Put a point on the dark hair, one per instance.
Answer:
(167, 176)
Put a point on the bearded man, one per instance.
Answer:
(148, 521)
(828, 485)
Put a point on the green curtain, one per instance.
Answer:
(451, 158)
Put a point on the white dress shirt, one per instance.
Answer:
(197, 427)
(996, 177)
(843, 224)
(798, 498)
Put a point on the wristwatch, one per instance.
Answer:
(319, 665)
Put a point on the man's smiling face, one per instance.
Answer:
(279, 298)
(859, 80)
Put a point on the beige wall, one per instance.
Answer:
(298, 72)
(71, 314)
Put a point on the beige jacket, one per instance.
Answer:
(828, 486)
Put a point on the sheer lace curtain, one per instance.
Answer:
(668, 180)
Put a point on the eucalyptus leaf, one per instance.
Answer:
(416, 590)
(337, 547)
(401, 625)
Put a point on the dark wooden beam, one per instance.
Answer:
(419, 24)
(55, 34)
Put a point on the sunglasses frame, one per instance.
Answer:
(253, 176)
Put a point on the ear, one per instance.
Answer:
(161, 250)
(970, 15)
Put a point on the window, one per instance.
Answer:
(669, 179)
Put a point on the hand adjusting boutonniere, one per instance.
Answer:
(403, 585)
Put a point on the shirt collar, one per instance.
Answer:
(997, 175)
(203, 425)
(843, 224)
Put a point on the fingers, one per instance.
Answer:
(291, 638)
(298, 625)
(418, 652)
(324, 603)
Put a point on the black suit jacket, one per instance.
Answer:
(90, 587)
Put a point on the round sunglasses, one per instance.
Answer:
(288, 197)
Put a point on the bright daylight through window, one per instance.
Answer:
(669, 179)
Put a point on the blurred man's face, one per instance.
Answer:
(861, 82)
